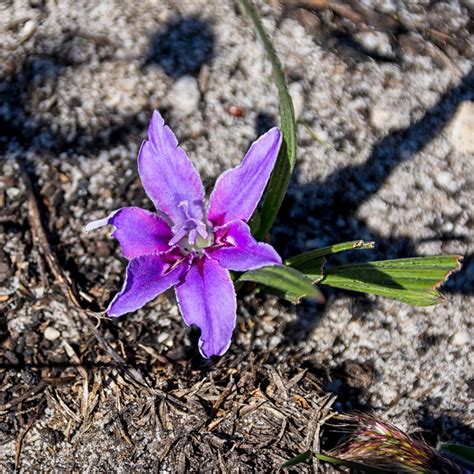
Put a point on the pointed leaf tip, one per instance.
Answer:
(300, 458)
(411, 280)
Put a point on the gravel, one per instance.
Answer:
(393, 164)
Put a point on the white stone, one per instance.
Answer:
(389, 395)
(386, 114)
(51, 334)
(12, 193)
(461, 338)
(445, 180)
(184, 96)
(462, 128)
(376, 42)
(28, 30)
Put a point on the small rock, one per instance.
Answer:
(387, 6)
(273, 342)
(461, 338)
(38, 291)
(387, 115)
(51, 334)
(462, 128)
(184, 96)
(389, 395)
(12, 193)
(376, 42)
(446, 181)
(28, 30)
(308, 19)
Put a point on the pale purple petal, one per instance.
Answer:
(237, 250)
(167, 174)
(146, 278)
(238, 191)
(139, 232)
(207, 299)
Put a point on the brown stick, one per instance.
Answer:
(40, 241)
(21, 438)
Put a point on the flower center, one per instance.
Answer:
(191, 235)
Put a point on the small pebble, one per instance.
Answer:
(462, 128)
(385, 115)
(51, 334)
(28, 30)
(236, 111)
(446, 181)
(184, 96)
(461, 338)
(376, 42)
(12, 193)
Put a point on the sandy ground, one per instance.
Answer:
(387, 87)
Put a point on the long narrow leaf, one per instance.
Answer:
(352, 465)
(464, 453)
(304, 258)
(297, 460)
(311, 263)
(288, 282)
(411, 280)
(281, 175)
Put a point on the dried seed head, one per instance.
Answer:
(380, 444)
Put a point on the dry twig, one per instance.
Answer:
(40, 241)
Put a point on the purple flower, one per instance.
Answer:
(186, 246)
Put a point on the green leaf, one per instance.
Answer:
(285, 163)
(311, 263)
(464, 453)
(307, 257)
(352, 465)
(288, 282)
(297, 460)
(411, 280)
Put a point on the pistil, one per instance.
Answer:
(193, 234)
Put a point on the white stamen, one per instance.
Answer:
(96, 224)
(99, 222)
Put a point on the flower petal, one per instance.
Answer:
(147, 276)
(207, 299)
(239, 251)
(139, 232)
(167, 174)
(238, 191)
